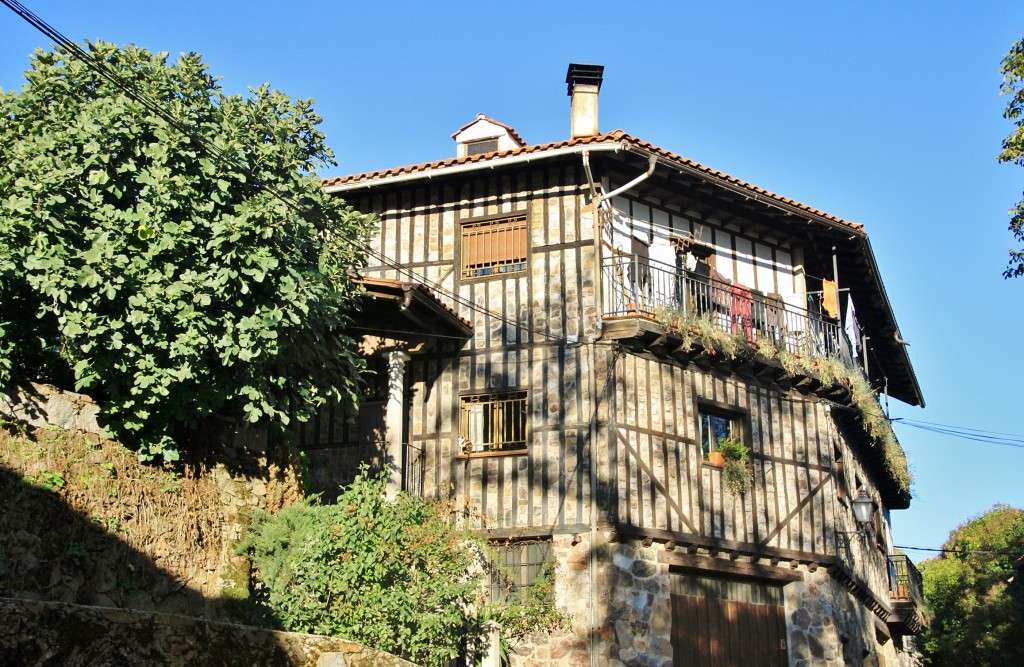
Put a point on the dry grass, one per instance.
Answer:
(103, 514)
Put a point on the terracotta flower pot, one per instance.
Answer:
(716, 459)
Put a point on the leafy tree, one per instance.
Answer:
(976, 616)
(171, 280)
(1013, 146)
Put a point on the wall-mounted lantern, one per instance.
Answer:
(863, 507)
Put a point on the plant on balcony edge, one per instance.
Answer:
(736, 471)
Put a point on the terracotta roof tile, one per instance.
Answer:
(614, 136)
(419, 287)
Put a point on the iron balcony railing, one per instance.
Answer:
(646, 287)
(904, 580)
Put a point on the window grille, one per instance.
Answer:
(493, 422)
(518, 564)
(481, 146)
(494, 247)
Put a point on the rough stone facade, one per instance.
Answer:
(639, 617)
(42, 405)
(569, 645)
(631, 608)
(826, 626)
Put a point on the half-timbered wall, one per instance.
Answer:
(538, 330)
(531, 331)
(528, 333)
(658, 479)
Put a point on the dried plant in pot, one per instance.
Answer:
(736, 471)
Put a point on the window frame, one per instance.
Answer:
(511, 265)
(470, 449)
(736, 419)
(476, 143)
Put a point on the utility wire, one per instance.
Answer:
(964, 552)
(76, 51)
(977, 435)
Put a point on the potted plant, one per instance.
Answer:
(735, 471)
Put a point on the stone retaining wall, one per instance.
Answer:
(52, 633)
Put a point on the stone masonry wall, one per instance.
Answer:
(828, 627)
(52, 633)
(636, 630)
(567, 646)
(633, 609)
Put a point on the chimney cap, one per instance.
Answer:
(584, 75)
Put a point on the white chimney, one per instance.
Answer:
(584, 84)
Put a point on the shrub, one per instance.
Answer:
(392, 574)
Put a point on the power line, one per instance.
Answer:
(76, 51)
(964, 433)
(962, 552)
(964, 428)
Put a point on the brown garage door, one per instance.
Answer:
(724, 622)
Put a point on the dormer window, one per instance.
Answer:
(486, 135)
(481, 146)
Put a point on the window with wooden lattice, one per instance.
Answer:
(494, 247)
(493, 422)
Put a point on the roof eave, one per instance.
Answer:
(486, 163)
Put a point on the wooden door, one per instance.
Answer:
(723, 622)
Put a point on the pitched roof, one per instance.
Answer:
(617, 136)
(375, 286)
(480, 116)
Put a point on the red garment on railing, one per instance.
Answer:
(742, 300)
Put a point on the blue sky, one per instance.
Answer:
(883, 113)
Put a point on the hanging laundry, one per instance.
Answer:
(740, 312)
(830, 299)
(641, 256)
(851, 327)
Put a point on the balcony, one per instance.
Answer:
(668, 297)
(906, 596)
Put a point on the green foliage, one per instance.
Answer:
(397, 575)
(530, 610)
(1012, 70)
(49, 480)
(393, 574)
(170, 283)
(736, 472)
(733, 450)
(977, 618)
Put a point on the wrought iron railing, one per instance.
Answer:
(644, 288)
(904, 579)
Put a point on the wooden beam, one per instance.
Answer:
(670, 500)
(691, 543)
(705, 564)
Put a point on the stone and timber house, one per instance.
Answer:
(564, 334)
